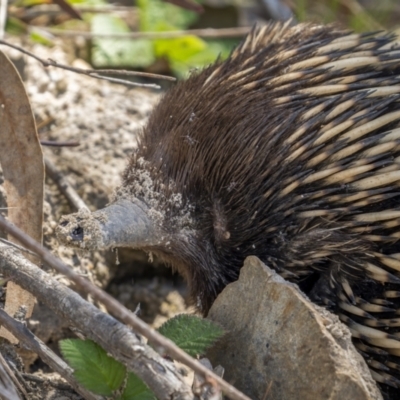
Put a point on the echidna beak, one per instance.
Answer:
(124, 223)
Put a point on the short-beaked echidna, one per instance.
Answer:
(289, 150)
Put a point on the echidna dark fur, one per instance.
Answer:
(289, 150)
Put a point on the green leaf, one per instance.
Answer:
(37, 37)
(360, 22)
(93, 368)
(207, 56)
(179, 49)
(136, 389)
(14, 26)
(118, 52)
(192, 334)
(154, 13)
(88, 2)
(29, 3)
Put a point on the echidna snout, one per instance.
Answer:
(124, 223)
(289, 150)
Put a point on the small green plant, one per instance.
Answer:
(93, 368)
(192, 334)
(103, 375)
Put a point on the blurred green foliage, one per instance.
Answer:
(357, 15)
(118, 52)
(182, 54)
(188, 52)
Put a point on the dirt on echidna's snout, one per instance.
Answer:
(289, 150)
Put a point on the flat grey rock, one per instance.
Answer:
(279, 345)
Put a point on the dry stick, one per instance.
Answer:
(7, 381)
(49, 9)
(25, 336)
(18, 247)
(116, 338)
(44, 123)
(52, 143)
(119, 311)
(7, 389)
(66, 7)
(93, 72)
(268, 390)
(205, 33)
(109, 8)
(65, 188)
(19, 378)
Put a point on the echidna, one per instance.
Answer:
(289, 150)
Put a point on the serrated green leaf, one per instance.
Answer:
(192, 334)
(93, 368)
(136, 389)
(118, 52)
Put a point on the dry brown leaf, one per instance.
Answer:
(21, 159)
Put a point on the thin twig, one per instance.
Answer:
(17, 246)
(44, 123)
(25, 336)
(8, 381)
(66, 189)
(268, 390)
(119, 311)
(53, 143)
(92, 72)
(19, 377)
(109, 8)
(125, 72)
(66, 7)
(7, 390)
(3, 17)
(52, 9)
(205, 33)
(124, 82)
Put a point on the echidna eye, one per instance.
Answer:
(64, 223)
